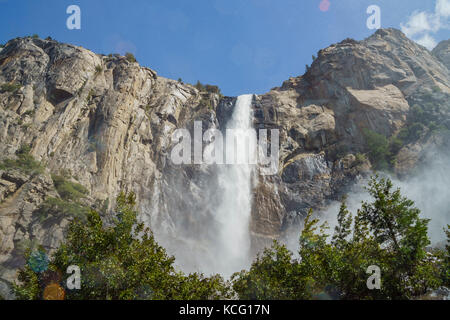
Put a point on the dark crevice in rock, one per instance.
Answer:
(56, 96)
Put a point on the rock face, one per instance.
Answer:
(107, 123)
(442, 52)
(351, 86)
(102, 120)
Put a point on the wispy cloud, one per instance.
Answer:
(421, 25)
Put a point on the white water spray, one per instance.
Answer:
(233, 213)
(209, 233)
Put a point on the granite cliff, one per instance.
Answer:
(104, 124)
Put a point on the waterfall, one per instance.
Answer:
(204, 221)
(235, 183)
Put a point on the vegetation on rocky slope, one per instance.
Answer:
(12, 87)
(124, 261)
(428, 115)
(24, 162)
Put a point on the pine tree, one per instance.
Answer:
(343, 228)
(402, 236)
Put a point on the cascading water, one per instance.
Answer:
(233, 213)
(203, 219)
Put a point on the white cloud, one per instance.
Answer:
(443, 8)
(427, 41)
(418, 22)
(421, 24)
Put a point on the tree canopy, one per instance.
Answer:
(124, 261)
(387, 233)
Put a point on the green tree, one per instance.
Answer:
(121, 261)
(387, 232)
(273, 275)
(343, 228)
(378, 147)
(398, 229)
(130, 57)
(446, 260)
(199, 86)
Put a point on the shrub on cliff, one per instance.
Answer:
(130, 57)
(208, 88)
(378, 149)
(67, 189)
(24, 162)
(12, 87)
(121, 261)
(68, 205)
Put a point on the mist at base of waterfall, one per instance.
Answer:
(428, 186)
(210, 234)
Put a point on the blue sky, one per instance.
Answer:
(244, 46)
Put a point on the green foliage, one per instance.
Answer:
(402, 238)
(12, 87)
(90, 95)
(68, 190)
(208, 88)
(24, 162)
(386, 232)
(395, 144)
(446, 260)
(378, 147)
(205, 102)
(31, 290)
(98, 69)
(123, 260)
(381, 150)
(29, 113)
(199, 86)
(343, 230)
(23, 150)
(212, 89)
(68, 205)
(360, 158)
(35, 36)
(130, 57)
(273, 275)
(55, 207)
(427, 115)
(120, 261)
(411, 133)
